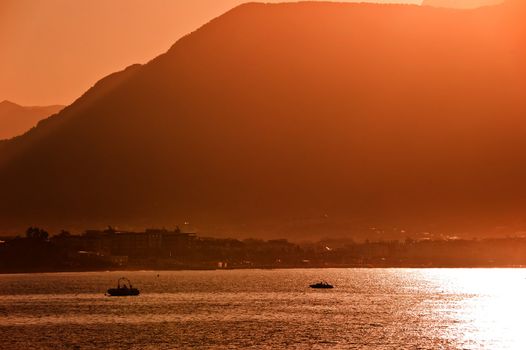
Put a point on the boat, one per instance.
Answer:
(321, 285)
(124, 288)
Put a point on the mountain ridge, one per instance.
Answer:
(294, 125)
(16, 119)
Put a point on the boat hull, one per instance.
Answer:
(321, 286)
(122, 292)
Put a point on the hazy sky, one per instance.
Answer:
(51, 51)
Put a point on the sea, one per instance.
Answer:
(267, 309)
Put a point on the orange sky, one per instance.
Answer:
(54, 50)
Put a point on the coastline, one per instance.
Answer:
(151, 268)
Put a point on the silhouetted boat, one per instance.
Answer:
(322, 285)
(124, 288)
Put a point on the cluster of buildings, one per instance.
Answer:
(162, 248)
(160, 243)
(175, 249)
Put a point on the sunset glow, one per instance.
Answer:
(53, 51)
(223, 174)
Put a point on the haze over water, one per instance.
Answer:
(368, 309)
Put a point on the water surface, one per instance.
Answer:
(240, 309)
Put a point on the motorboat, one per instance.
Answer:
(322, 285)
(124, 288)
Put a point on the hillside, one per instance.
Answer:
(293, 120)
(16, 120)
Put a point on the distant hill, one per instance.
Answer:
(461, 4)
(16, 120)
(294, 120)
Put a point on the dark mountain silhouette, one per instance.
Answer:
(294, 120)
(16, 119)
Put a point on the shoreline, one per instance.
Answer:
(138, 269)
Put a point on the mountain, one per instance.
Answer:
(294, 120)
(461, 4)
(16, 119)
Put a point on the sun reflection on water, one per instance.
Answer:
(373, 309)
(491, 308)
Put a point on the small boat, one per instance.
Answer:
(321, 285)
(124, 288)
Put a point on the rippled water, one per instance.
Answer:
(368, 309)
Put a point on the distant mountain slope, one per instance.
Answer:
(16, 119)
(291, 120)
(462, 4)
